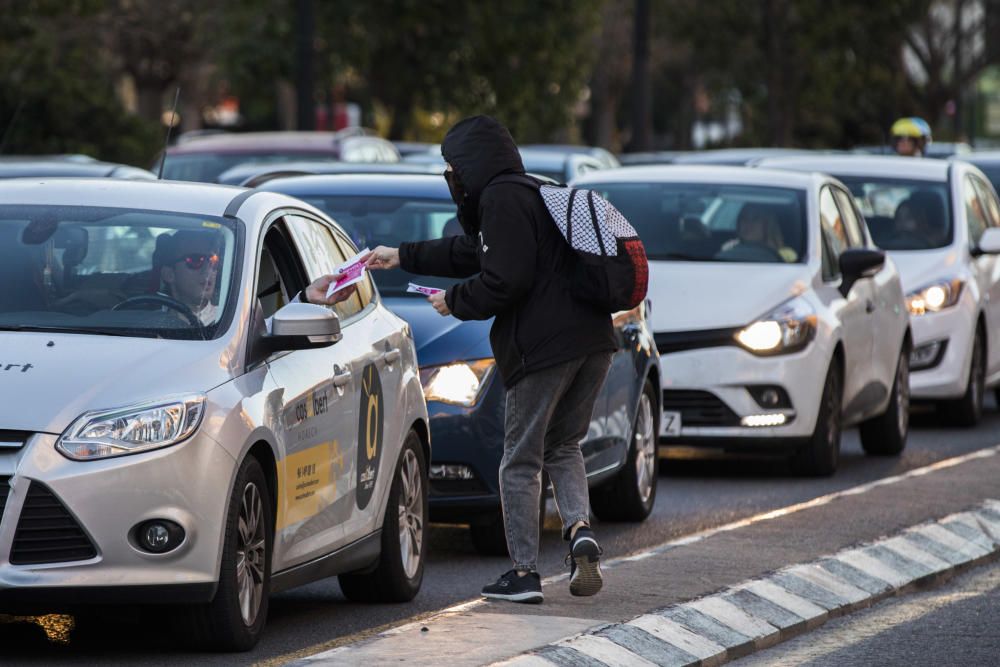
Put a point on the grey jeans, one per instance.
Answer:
(548, 414)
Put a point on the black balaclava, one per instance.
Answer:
(478, 149)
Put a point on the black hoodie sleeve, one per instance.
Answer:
(507, 259)
(450, 257)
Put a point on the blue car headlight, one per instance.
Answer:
(457, 383)
(139, 428)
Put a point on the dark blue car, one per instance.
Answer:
(465, 398)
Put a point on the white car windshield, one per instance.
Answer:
(713, 223)
(903, 215)
(114, 271)
(374, 220)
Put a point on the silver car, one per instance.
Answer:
(177, 427)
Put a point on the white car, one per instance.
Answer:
(940, 223)
(175, 429)
(777, 321)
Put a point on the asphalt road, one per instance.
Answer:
(952, 625)
(692, 496)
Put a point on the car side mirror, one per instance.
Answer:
(858, 263)
(989, 243)
(303, 326)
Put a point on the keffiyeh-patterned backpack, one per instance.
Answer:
(612, 272)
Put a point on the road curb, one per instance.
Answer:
(759, 613)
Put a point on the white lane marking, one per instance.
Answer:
(775, 594)
(527, 660)
(606, 651)
(910, 550)
(989, 524)
(817, 575)
(798, 507)
(727, 613)
(873, 567)
(971, 520)
(970, 550)
(679, 636)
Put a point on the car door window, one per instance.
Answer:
(989, 202)
(852, 224)
(279, 272)
(975, 215)
(366, 289)
(834, 234)
(322, 255)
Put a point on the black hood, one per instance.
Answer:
(478, 149)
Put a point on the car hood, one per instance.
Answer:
(438, 339)
(48, 380)
(692, 296)
(920, 268)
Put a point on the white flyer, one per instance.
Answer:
(420, 289)
(349, 273)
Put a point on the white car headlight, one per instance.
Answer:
(137, 428)
(458, 383)
(788, 328)
(934, 298)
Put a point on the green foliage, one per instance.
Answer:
(55, 80)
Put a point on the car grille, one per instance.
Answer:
(4, 492)
(12, 439)
(47, 532)
(679, 341)
(699, 408)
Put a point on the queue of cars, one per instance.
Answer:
(246, 442)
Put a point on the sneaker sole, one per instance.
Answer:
(530, 597)
(587, 579)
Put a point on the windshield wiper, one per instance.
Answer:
(78, 330)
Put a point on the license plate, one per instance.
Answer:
(670, 424)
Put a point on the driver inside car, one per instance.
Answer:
(189, 265)
(758, 238)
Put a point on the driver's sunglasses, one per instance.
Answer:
(196, 260)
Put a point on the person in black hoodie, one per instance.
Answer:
(552, 350)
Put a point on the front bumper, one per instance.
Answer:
(955, 328)
(188, 484)
(725, 373)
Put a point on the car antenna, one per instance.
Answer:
(170, 127)
(10, 126)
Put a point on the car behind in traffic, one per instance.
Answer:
(940, 223)
(176, 429)
(465, 396)
(777, 321)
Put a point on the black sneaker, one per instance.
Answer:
(584, 560)
(516, 589)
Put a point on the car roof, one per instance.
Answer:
(245, 142)
(396, 185)
(666, 173)
(734, 156)
(918, 169)
(53, 168)
(175, 196)
(242, 172)
(980, 157)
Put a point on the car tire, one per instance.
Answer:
(819, 456)
(885, 435)
(234, 619)
(400, 569)
(489, 536)
(630, 496)
(967, 411)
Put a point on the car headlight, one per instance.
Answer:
(458, 383)
(934, 298)
(138, 428)
(788, 328)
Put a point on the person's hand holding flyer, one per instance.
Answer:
(421, 289)
(349, 273)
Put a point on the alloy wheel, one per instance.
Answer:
(411, 514)
(645, 448)
(250, 554)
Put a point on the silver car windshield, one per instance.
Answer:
(374, 220)
(114, 271)
(903, 215)
(713, 223)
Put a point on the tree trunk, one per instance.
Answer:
(305, 28)
(641, 139)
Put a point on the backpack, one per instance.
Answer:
(612, 272)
